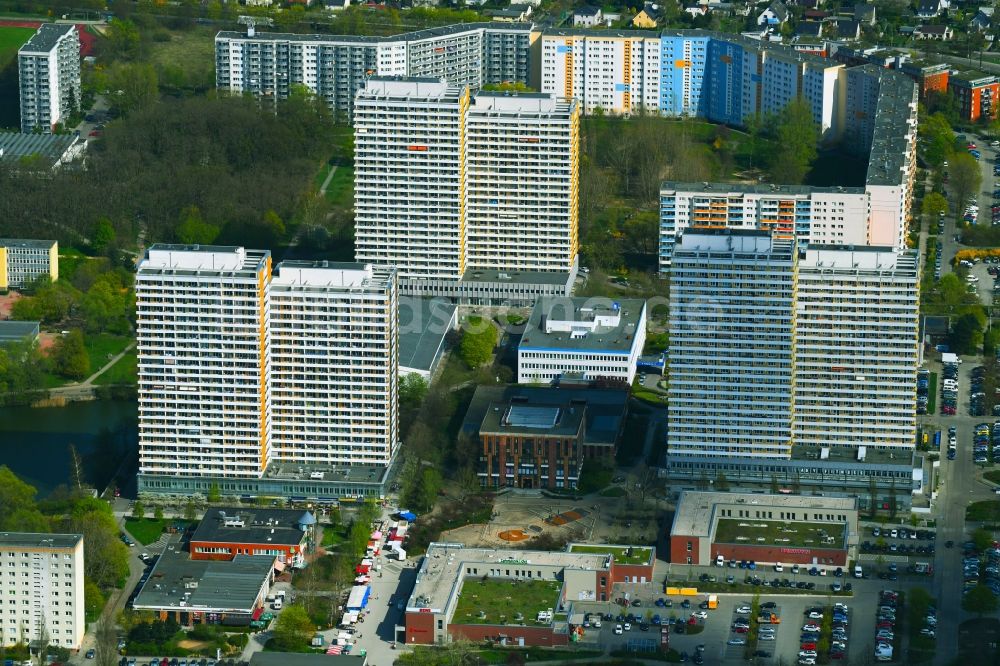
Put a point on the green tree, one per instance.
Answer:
(966, 177)
(103, 236)
(190, 511)
(122, 40)
(293, 629)
(478, 341)
(936, 138)
(982, 538)
(214, 493)
(138, 509)
(934, 205)
(967, 333)
(93, 600)
(980, 600)
(69, 356)
(412, 389)
(18, 510)
(158, 513)
(133, 86)
(797, 136)
(194, 230)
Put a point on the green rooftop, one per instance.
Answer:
(623, 554)
(498, 601)
(753, 532)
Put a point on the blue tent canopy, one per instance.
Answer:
(408, 515)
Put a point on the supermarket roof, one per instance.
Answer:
(250, 525)
(205, 585)
(15, 146)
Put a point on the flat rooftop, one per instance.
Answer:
(177, 582)
(755, 244)
(787, 534)
(428, 33)
(755, 188)
(583, 324)
(505, 602)
(252, 525)
(331, 473)
(605, 408)
(695, 509)
(517, 277)
(177, 259)
(859, 258)
(15, 146)
(423, 325)
(27, 242)
(441, 570)
(622, 554)
(12, 331)
(332, 276)
(33, 540)
(841, 454)
(506, 418)
(47, 37)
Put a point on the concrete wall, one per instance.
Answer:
(543, 636)
(785, 555)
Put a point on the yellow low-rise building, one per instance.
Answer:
(22, 260)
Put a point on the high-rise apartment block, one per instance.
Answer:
(336, 67)
(41, 583)
(48, 69)
(264, 383)
(202, 333)
(781, 354)
(334, 355)
(410, 176)
(451, 185)
(523, 170)
(24, 259)
(732, 304)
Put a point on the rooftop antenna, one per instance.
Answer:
(251, 23)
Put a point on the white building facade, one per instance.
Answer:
(523, 218)
(41, 589)
(204, 360)
(589, 337)
(48, 68)
(857, 348)
(410, 176)
(334, 355)
(774, 346)
(732, 346)
(239, 368)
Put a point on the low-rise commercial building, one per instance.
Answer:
(712, 527)
(540, 589)
(201, 591)
(41, 589)
(226, 532)
(592, 337)
(22, 260)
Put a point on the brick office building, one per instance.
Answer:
(227, 532)
(767, 529)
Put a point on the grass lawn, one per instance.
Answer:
(102, 347)
(340, 191)
(613, 491)
(752, 531)
(993, 475)
(146, 530)
(125, 371)
(189, 55)
(11, 39)
(333, 536)
(621, 553)
(499, 601)
(986, 511)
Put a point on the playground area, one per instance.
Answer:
(519, 518)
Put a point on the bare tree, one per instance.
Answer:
(42, 641)
(106, 643)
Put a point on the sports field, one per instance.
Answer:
(11, 39)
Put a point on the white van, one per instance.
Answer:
(278, 603)
(720, 561)
(857, 571)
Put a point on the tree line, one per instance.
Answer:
(227, 167)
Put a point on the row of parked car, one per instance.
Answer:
(984, 446)
(977, 398)
(981, 570)
(949, 389)
(923, 389)
(885, 625)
